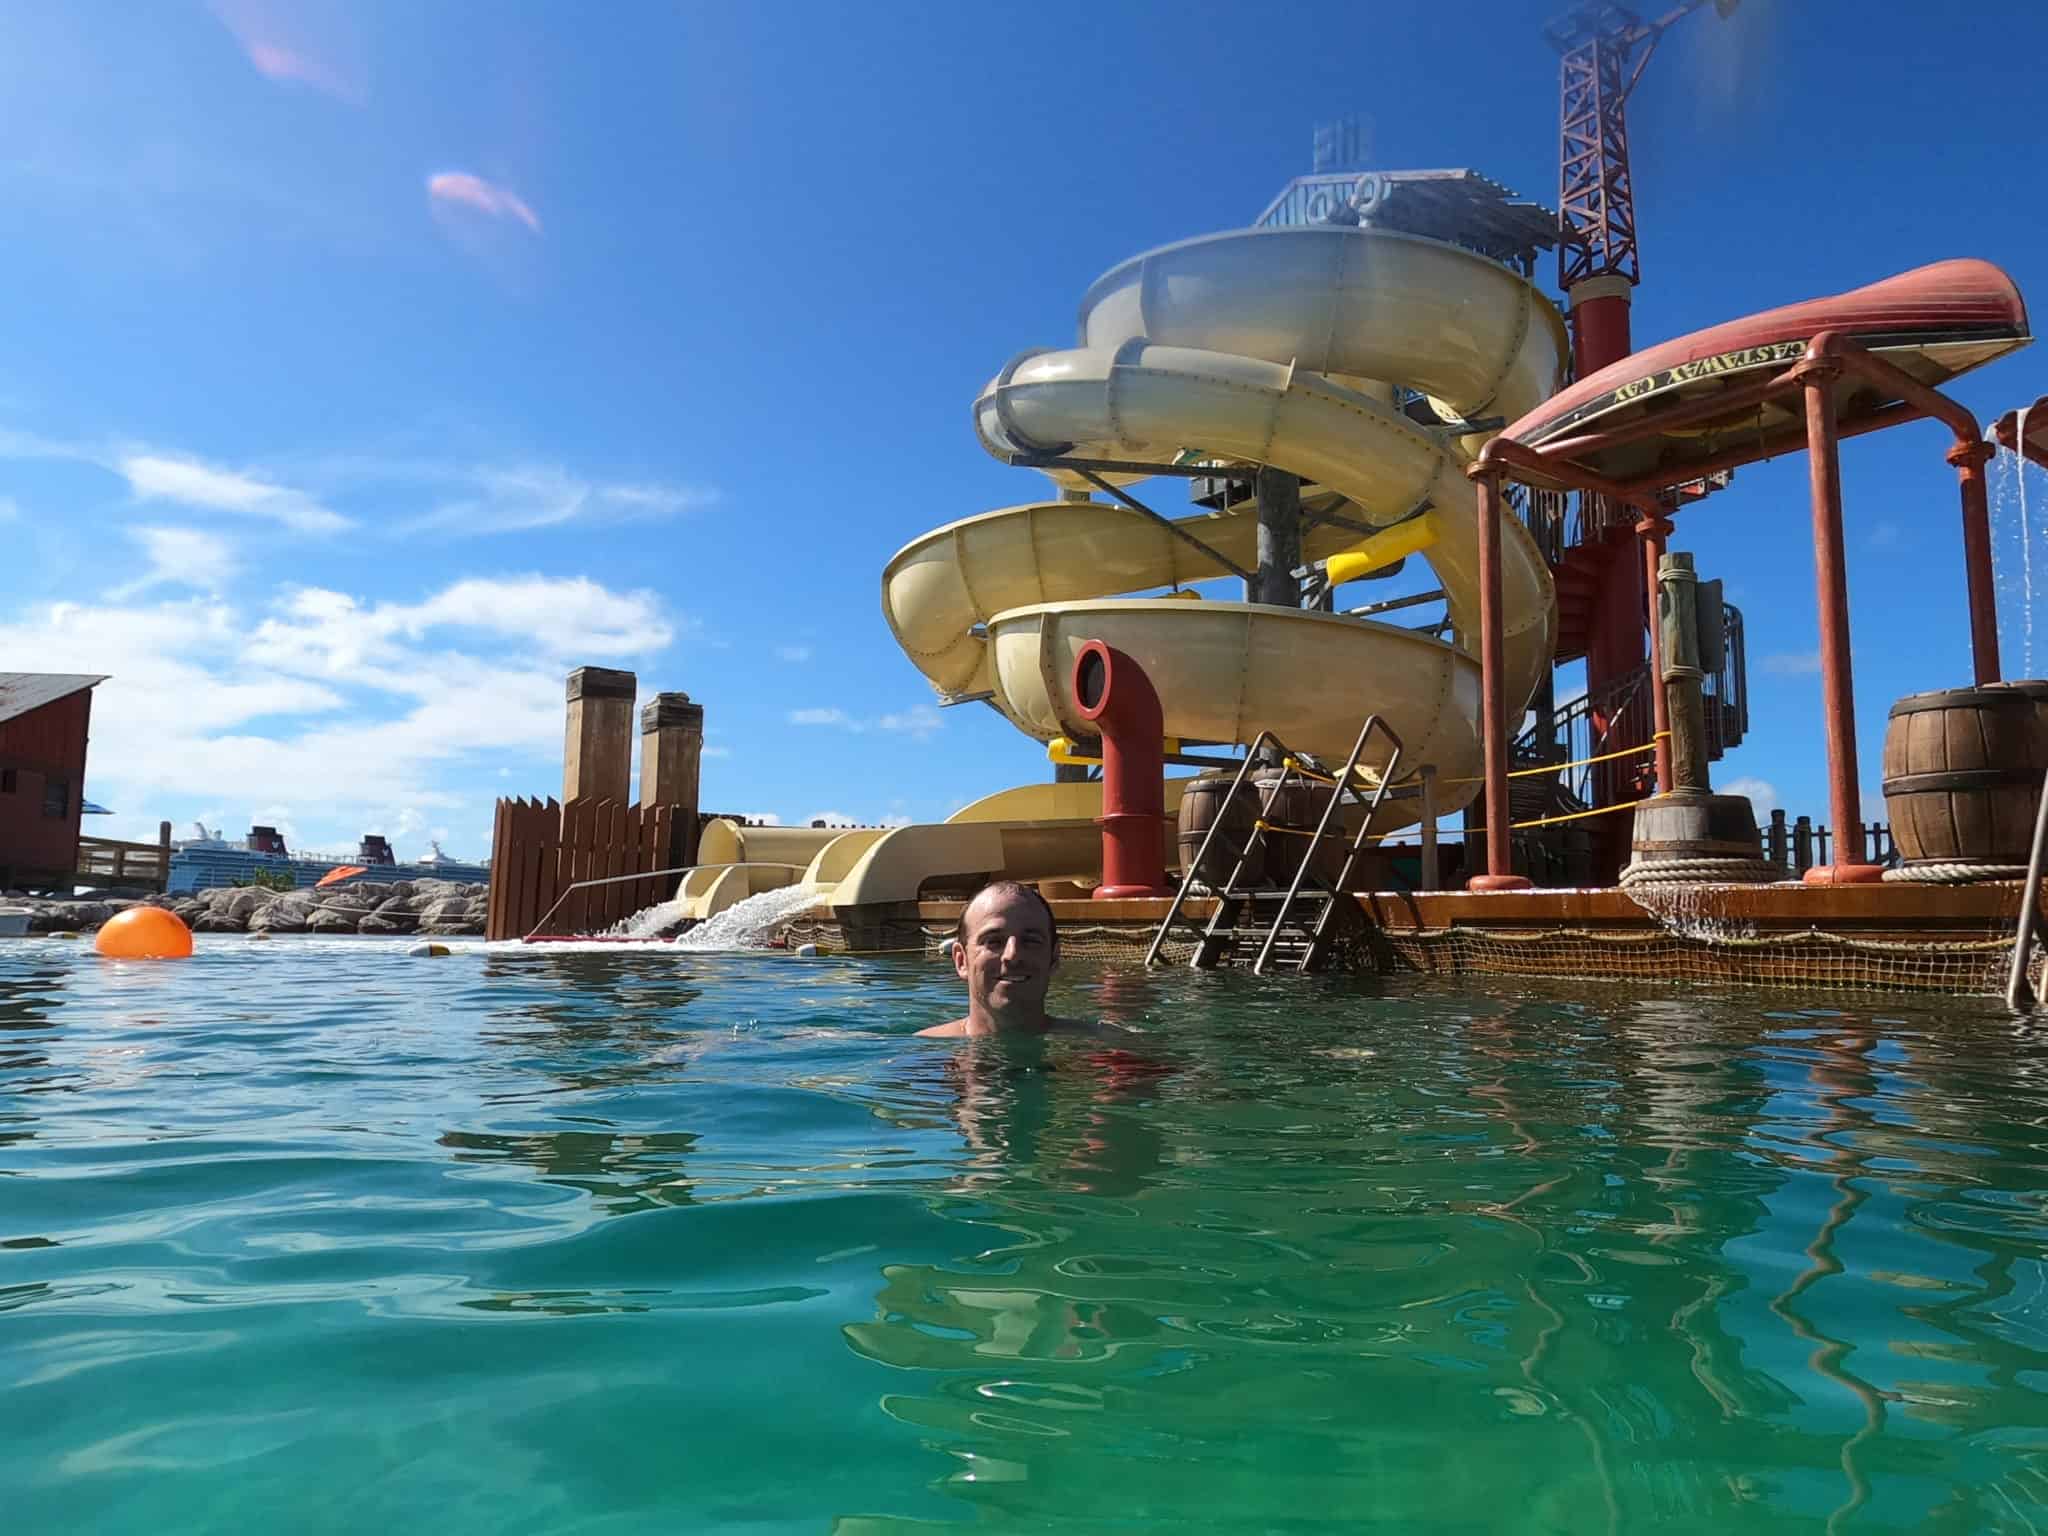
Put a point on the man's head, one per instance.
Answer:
(1006, 949)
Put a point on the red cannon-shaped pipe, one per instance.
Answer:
(1114, 695)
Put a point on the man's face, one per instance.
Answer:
(1008, 956)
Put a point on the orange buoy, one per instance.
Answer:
(144, 933)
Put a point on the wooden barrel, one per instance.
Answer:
(1199, 806)
(1294, 804)
(1962, 774)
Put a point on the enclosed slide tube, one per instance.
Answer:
(1272, 347)
(1233, 347)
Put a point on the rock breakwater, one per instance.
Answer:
(433, 908)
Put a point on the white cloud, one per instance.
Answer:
(764, 818)
(179, 557)
(793, 653)
(824, 717)
(894, 821)
(716, 752)
(10, 509)
(1762, 793)
(1793, 663)
(325, 633)
(188, 482)
(349, 708)
(1887, 534)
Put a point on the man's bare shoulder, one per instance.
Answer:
(962, 1029)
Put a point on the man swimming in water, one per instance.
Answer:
(1006, 948)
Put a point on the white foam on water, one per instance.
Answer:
(648, 922)
(746, 925)
(751, 923)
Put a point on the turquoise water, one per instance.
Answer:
(309, 1236)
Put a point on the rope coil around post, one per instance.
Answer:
(1701, 871)
(1954, 872)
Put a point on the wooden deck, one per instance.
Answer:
(108, 861)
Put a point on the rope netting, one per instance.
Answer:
(1691, 942)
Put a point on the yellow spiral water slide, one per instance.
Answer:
(1272, 347)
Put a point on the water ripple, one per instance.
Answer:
(310, 1236)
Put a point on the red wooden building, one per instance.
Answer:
(44, 717)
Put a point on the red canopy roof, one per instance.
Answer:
(1934, 322)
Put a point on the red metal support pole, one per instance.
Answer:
(1831, 585)
(1653, 531)
(1493, 704)
(1969, 460)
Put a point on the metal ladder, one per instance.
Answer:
(1294, 928)
(2019, 993)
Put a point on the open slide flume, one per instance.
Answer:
(1274, 347)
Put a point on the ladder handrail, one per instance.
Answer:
(1187, 878)
(2019, 994)
(1344, 782)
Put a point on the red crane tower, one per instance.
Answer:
(1605, 48)
(1601, 581)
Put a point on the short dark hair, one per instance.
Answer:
(1008, 888)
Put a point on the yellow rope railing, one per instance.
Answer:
(1543, 768)
(1547, 821)
(1294, 765)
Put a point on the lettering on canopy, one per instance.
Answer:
(1739, 361)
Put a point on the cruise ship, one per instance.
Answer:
(208, 860)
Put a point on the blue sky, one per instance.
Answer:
(368, 367)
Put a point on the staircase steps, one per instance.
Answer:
(1257, 928)
(1578, 578)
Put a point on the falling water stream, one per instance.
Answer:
(2019, 437)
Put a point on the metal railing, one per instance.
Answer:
(2019, 992)
(1343, 783)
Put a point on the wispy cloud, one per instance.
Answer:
(1793, 663)
(461, 189)
(793, 653)
(493, 498)
(10, 510)
(281, 44)
(179, 557)
(188, 482)
(919, 721)
(1887, 533)
(462, 498)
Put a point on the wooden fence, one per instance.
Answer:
(108, 861)
(541, 848)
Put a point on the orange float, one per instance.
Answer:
(144, 933)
